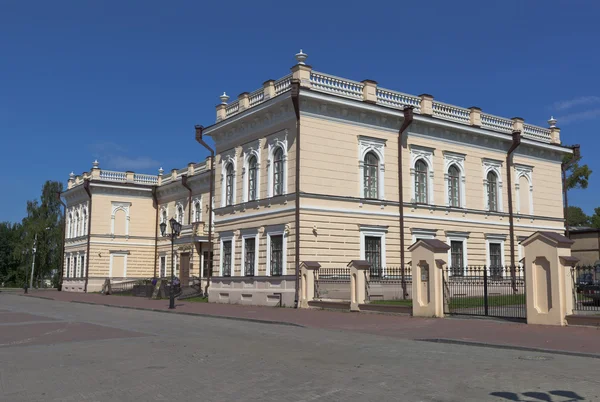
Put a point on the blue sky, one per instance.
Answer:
(126, 81)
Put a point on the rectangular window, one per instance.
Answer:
(249, 254)
(82, 267)
(74, 273)
(206, 263)
(495, 259)
(227, 258)
(373, 254)
(276, 261)
(163, 267)
(68, 269)
(456, 258)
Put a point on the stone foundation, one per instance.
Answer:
(256, 291)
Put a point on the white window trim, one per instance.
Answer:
(374, 231)
(226, 159)
(164, 209)
(272, 147)
(458, 160)
(179, 205)
(223, 239)
(426, 155)
(249, 235)
(119, 206)
(458, 236)
(85, 218)
(494, 239)
(249, 152)
(82, 268)
(277, 231)
(491, 165)
(195, 209)
(527, 172)
(70, 225)
(110, 268)
(422, 234)
(377, 146)
(160, 262)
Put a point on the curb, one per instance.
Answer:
(223, 317)
(509, 347)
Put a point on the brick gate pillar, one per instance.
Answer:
(307, 282)
(428, 259)
(548, 281)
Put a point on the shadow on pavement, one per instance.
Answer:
(533, 396)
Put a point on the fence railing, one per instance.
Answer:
(145, 178)
(586, 289)
(389, 284)
(450, 112)
(332, 283)
(339, 86)
(109, 175)
(397, 99)
(127, 286)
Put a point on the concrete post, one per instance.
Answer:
(302, 72)
(429, 258)
(426, 104)
(269, 89)
(359, 269)
(308, 269)
(555, 135)
(518, 124)
(129, 176)
(244, 100)
(475, 116)
(548, 281)
(370, 91)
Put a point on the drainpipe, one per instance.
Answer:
(184, 184)
(155, 200)
(564, 167)
(210, 203)
(516, 141)
(86, 186)
(62, 255)
(295, 100)
(408, 119)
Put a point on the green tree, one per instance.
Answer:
(12, 266)
(577, 217)
(595, 219)
(577, 176)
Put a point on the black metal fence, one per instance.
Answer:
(389, 284)
(485, 291)
(332, 283)
(586, 292)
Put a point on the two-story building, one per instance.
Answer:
(313, 167)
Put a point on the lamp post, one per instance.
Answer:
(175, 231)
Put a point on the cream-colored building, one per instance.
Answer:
(307, 169)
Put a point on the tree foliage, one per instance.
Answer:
(44, 222)
(577, 176)
(577, 217)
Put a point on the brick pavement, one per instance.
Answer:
(490, 332)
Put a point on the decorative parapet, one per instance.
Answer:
(368, 91)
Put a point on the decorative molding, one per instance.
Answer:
(377, 146)
(458, 160)
(119, 206)
(527, 172)
(275, 141)
(425, 154)
(492, 165)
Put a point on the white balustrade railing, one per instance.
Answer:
(166, 179)
(145, 178)
(496, 123)
(536, 133)
(256, 97)
(397, 99)
(109, 175)
(450, 112)
(339, 86)
(283, 84)
(232, 108)
(199, 167)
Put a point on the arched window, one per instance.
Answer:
(229, 185)
(370, 175)
(76, 229)
(252, 179)
(197, 211)
(180, 214)
(454, 186)
(278, 172)
(84, 222)
(70, 226)
(492, 191)
(164, 217)
(421, 172)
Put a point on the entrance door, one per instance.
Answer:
(184, 269)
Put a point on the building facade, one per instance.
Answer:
(313, 167)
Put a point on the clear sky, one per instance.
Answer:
(126, 81)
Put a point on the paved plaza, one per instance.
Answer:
(63, 351)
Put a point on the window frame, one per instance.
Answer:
(278, 172)
(273, 232)
(250, 236)
(424, 183)
(252, 194)
(458, 237)
(229, 184)
(453, 186)
(231, 240)
(371, 177)
(374, 231)
(492, 192)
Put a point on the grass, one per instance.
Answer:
(493, 301)
(196, 299)
(394, 302)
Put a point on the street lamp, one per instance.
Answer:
(175, 231)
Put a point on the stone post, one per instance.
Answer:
(174, 174)
(301, 71)
(548, 281)
(426, 104)
(555, 135)
(221, 107)
(190, 169)
(95, 170)
(244, 100)
(370, 91)
(359, 269)
(308, 269)
(475, 116)
(160, 175)
(71, 181)
(518, 124)
(269, 89)
(428, 258)
(129, 176)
